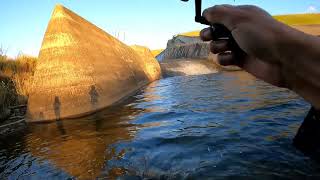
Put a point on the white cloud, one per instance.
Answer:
(312, 9)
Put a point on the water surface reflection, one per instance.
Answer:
(224, 124)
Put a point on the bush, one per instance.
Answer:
(16, 79)
(22, 78)
(8, 96)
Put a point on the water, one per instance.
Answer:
(218, 125)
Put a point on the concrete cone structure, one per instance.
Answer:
(82, 69)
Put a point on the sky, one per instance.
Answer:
(143, 22)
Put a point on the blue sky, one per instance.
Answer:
(144, 22)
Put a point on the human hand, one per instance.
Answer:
(259, 36)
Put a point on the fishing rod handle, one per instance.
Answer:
(220, 32)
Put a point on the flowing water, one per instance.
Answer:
(193, 127)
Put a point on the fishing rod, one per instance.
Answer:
(218, 30)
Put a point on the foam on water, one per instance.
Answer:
(188, 67)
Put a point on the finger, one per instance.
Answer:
(222, 14)
(206, 34)
(219, 46)
(254, 9)
(226, 59)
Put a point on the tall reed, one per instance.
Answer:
(15, 80)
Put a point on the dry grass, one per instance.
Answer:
(15, 80)
(299, 19)
(291, 19)
(7, 97)
(23, 77)
(156, 52)
(191, 34)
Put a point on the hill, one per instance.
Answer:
(156, 52)
(291, 19)
(191, 34)
(299, 19)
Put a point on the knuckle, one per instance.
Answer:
(224, 14)
(247, 7)
(206, 13)
(217, 9)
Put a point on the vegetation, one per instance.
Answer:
(191, 34)
(15, 80)
(292, 19)
(7, 97)
(156, 52)
(299, 19)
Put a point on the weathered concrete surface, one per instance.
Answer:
(191, 50)
(82, 69)
(151, 64)
(183, 40)
(190, 59)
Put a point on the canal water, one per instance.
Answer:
(220, 125)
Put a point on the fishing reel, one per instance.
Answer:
(218, 31)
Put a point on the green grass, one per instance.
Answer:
(291, 19)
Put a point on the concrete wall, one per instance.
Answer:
(182, 40)
(191, 51)
(82, 69)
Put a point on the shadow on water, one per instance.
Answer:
(80, 148)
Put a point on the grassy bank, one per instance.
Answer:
(15, 81)
(156, 52)
(299, 19)
(291, 19)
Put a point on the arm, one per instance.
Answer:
(301, 65)
(272, 51)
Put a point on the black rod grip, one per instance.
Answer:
(219, 30)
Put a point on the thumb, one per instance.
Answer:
(222, 14)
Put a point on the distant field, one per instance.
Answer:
(292, 19)
(191, 34)
(156, 52)
(299, 19)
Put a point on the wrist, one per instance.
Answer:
(300, 61)
(288, 51)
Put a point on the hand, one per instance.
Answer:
(257, 34)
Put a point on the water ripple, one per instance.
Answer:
(196, 127)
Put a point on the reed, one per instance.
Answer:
(15, 80)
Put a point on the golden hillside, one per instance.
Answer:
(191, 34)
(291, 19)
(299, 19)
(156, 52)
